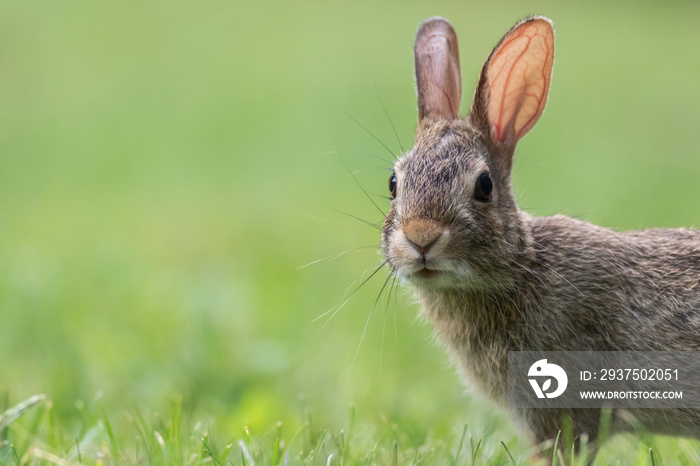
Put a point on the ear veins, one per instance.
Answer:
(436, 44)
(438, 75)
(447, 98)
(539, 100)
(519, 73)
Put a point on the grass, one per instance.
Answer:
(164, 169)
(178, 438)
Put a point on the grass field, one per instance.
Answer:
(168, 168)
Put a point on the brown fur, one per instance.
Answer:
(509, 281)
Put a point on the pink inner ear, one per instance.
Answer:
(519, 73)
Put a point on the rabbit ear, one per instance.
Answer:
(514, 83)
(438, 76)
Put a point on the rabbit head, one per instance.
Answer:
(454, 222)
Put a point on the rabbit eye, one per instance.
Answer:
(392, 185)
(483, 189)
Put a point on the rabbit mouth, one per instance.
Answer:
(434, 274)
(424, 278)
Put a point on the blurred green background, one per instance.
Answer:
(167, 167)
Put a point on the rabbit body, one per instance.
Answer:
(492, 278)
(580, 288)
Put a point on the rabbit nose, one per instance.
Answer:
(422, 234)
(423, 250)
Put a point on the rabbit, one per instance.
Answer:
(492, 278)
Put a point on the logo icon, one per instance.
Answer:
(543, 369)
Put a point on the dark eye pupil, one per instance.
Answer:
(392, 185)
(483, 189)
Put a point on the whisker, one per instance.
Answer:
(333, 257)
(397, 284)
(531, 273)
(561, 276)
(338, 308)
(381, 346)
(386, 310)
(374, 272)
(326, 313)
(384, 169)
(364, 332)
(366, 154)
(388, 117)
(373, 225)
(548, 268)
(347, 290)
(331, 317)
(328, 152)
(361, 187)
(333, 308)
(370, 133)
(388, 298)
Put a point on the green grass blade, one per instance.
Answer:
(555, 449)
(12, 414)
(509, 454)
(113, 448)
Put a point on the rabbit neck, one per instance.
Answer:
(480, 325)
(479, 329)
